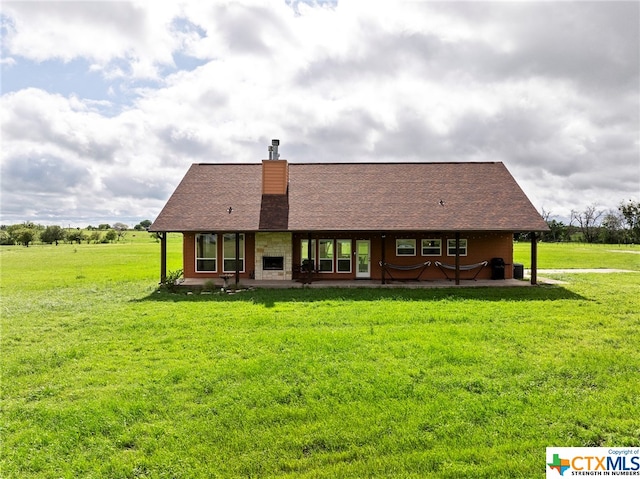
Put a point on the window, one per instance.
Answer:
(325, 255)
(229, 253)
(405, 247)
(451, 247)
(304, 252)
(432, 247)
(206, 252)
(343, 253)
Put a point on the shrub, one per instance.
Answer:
(209, 285)
(173, 281)
(96, 237)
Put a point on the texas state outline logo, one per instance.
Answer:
(559, 464)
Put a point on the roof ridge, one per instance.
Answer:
(313, 163)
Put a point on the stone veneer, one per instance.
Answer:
(274, 244)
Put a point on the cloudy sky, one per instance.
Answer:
(106, 104)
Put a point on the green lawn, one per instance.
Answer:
(580, 255)
(102, 376)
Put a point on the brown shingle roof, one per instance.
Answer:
(353, 197)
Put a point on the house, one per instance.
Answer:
(277, 220)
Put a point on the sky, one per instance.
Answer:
(106, 104)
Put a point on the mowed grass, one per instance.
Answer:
(102, 376)
(580, 255)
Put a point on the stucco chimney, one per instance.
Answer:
(275, 172)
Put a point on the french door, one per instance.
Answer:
(363, 259)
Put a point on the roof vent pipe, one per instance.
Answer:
(273, 150)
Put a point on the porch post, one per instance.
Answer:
(310, 263)
(534, 258)
(457, 258)
(382, 255)
(163, 257)
(237, 258)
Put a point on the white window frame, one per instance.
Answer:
(304, 250)
(341, 258)
(425, 245)
(232, 237)
(406, 241)
(203, 258)
(323, 261)
(451, 247)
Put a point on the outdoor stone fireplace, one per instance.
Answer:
(273, 263)
(273, 256)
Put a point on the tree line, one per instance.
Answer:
(595, 225)
(28, 233)
(589, 225)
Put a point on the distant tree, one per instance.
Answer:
(31, 225)
(13, 229)
(6, 238)
(24, 236)
(24, 233)
(111, 235)
(12, 232)
(631, 214)
(104, 226)
(612, 227)
(557, 229)
(588, 222)
(120, 229)
(142, 226)
(76, 236)
(96, 237)
(52, 234)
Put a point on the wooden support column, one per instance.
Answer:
(310, 263)
(163, 257)
(534, 258)
(457, 258)
(237, 258)
(382, 255)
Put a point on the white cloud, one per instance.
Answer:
(96, 30)
(549, 88)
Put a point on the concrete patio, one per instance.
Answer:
(481, 283)
(368, 283)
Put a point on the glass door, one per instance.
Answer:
(363, 268)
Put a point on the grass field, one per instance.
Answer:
(103, 376)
